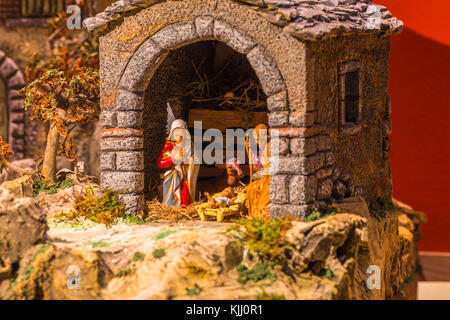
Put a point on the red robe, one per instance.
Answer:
(166, 162)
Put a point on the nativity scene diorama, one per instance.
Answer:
(200, 149)
(316, 87)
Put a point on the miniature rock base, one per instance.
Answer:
(22, 226)
(326, 259)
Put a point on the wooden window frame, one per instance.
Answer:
(343, 70)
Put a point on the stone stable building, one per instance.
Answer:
(323, 67)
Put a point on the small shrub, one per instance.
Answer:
(138, 256)
(259, 273)
(105, 208)
(264, 237)
(195, 291)
(159, 253)
(313, 216)
(328, 274)
(317, 214)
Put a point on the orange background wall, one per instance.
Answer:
(420, 90)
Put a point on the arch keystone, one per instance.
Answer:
(175, 35)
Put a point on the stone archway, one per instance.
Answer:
(13, 80)
(122, 160)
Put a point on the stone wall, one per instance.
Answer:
(17, 131)
(362, 154)
(18, 44)
(3, 110)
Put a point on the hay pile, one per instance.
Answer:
(161, 211)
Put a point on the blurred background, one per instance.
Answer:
(420, 91)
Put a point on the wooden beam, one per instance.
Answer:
(217, 119)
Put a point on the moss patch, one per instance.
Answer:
(317, 214)
(159, 253)
(195, 291)
(138, 256)
(263, 295)
(40, 187)
(99, 244)
(328, 274)
(261, 272)
(164, 234)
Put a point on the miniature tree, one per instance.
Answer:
(63, 91)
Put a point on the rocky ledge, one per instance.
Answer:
(328, 258)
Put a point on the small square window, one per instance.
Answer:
(349, 94)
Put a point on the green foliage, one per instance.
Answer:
(27, 272)
(328, 274)
(105, 208)
(264, 237)
(40, 187)
(12, 283)
(314, 215)
(317, 214)
(131, 219)
(99, 244)
(159, 253)
(42, 249)
(259, 273)
(138, 256)
(164, 234)
(29, 269)
(263, 295)
(379, 208)
(195, 291)
(124, 272)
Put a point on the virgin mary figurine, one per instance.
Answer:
(181, 171)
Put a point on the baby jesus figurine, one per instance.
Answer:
(227, 199)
